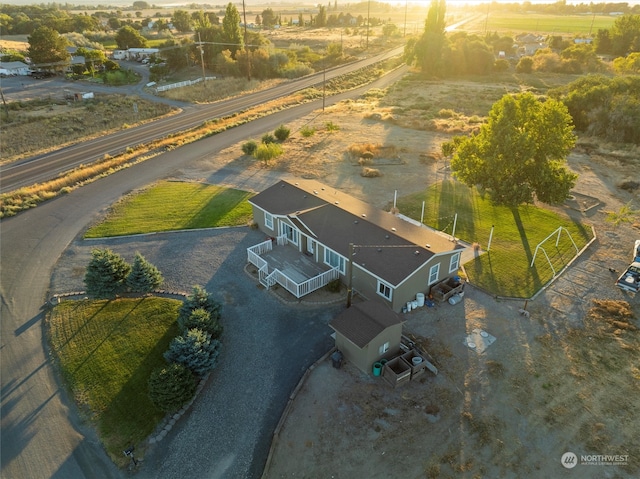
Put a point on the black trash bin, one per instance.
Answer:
(337, 358)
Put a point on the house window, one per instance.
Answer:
(268, 220)
(454, 264)
(334, 259)
(290, 232)
(434, 271)
(384, 348)
(384, 290)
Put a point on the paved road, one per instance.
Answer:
(41, 435)
(46, 166)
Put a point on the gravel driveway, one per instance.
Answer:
(267, 346)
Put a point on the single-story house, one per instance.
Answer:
(381, 255)
(14, 69)
(367, 332)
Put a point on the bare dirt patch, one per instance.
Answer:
(563, 379)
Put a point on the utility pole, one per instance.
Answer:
(324, 79)
(246, 48)
(368, 22)
(406, 3)
(204, 78)
(350, 276)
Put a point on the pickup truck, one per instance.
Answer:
(630, 279)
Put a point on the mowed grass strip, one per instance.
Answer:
(542, 23)
(106, 351)
(169, 205)
(505, 269)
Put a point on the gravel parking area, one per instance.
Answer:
(267, 344)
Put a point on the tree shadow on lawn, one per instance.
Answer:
(217, 208)
(131, 417)
(461, 202)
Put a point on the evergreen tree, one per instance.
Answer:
(201, 319)
(106, 274)
(171, 386)
(144, 277)
(199, 299)
(195, 350)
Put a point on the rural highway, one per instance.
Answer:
(47, 166)
(41, 434)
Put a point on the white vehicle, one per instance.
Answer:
(630, 279)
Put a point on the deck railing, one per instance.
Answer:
(269, 279)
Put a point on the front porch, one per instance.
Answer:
(285, 265)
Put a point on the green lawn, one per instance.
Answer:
(543, 24)
(106, 352)
(172, 205)
(505, 270)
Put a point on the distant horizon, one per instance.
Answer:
(176, 4)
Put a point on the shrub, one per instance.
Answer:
(629, 185)
(268, 138)
(195, 350)
(331, 126)
(501, 65)
(106, 274)
(447, 113)
(266, 152)
(525, 65)
(282, 133)
(297, 71)
(334, 286)
(367, 155)
(249, 148)
(307, 131)
(370, 172)
(171, 386)
(201, 319)
(144, 277)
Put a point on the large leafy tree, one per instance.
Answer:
(129, 37)
(106, 274)
(625, 36)
(181, 20)
(231, 29)
(144, 277)
(47, 46)
(268, 17)
(519, 153)
(427, 51)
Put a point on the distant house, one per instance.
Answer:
(366, 333)
(383, 256)
(14, 69)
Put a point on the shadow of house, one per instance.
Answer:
(381, 255)
(367, 332)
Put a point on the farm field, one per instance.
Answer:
(540, 24)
